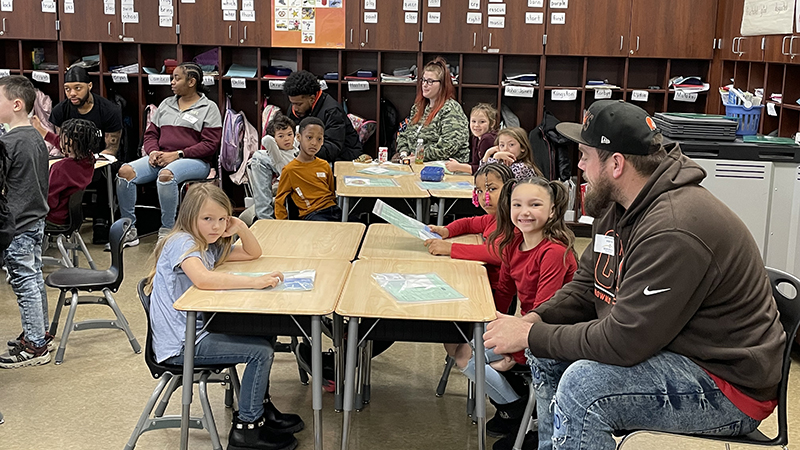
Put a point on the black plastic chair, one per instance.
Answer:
(76, 279)
(68, 238)
(789, 309)
(170, 378)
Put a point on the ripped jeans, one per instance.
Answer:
(582, 403)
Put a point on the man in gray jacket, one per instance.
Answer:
(669, 323)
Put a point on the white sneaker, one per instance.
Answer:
(131, 238)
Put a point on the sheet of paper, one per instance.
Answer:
(689, 97)
(410, 5)
(42, 77)
(411, 17)
(48, 6)
(640, 96)
(229, 15)
(165, 21)
(208, 80)
(563, 95)
(434, 17)
(445, 185)
(496, 22)
(354, 86)
(158, 80)
(558, 18)
(276, 85)
(534, 18)
(767, 17)
(600, 94)
(247, 16)
(771, 110)
(377, 170)
(238, 83)
(473, 18)
(130, 17)
(417, 288)
(559, 4)
(402, 221)
(535, 3)
(369, 182)
(109, 9)
(518, 91)
(496, 9)
(230, 4)
(370, 4)
(119, 77)
(294, 280)
(474, 4)
(434, 3)
(248, 5)
(7, 6)
(370, 17)
(69, 7)
(5, 73)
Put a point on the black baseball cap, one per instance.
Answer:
(614, 126)
(77, 74)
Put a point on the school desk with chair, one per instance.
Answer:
(454, 186)
(351, 182)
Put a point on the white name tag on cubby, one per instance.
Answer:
(238, 83)
(518, 91)
(7, 6)
(370, 17)
(602, 94)
(563, 95)
(354, 86)
(323, 85)
(689, 97)
(158, 80)
(119, 77)
(535, 3)
(40, 76)
(276, 85)
(208, 80)
(640, 96)
(5, 73)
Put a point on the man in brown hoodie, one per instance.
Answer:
(669, 323)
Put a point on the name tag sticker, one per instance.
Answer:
(604, 244)
(190, 118)
(321, 175)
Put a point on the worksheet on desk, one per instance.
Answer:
(402, 221)
(293, 280)
(417, 288)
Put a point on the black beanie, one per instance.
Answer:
(77, 74)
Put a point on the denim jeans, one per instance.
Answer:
(23, 259)
(329, 214)
(182, 170)
(582, 403)
(497, 387)
(262, 171)
(255, 351)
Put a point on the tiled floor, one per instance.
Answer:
(93, 400)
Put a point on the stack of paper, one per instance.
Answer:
(524, 79)
(386, 78)
(130, 68)
(688, 84)
(240, 71)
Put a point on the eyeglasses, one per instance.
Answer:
(430, 81)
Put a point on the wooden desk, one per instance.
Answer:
(442, 194)
(349, 168)
(308, 239)
(106, 166)
(329, 282)
(386, 241)
(407, 188)
(364, 298)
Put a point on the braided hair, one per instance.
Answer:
(193, 70)
(81, 138)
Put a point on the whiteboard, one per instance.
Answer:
(768, 17)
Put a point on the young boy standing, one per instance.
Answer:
(307, 181)
(267, 165)
(27, 199)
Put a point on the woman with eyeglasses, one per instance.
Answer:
(436, 118)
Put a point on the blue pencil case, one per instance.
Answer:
(431, 173)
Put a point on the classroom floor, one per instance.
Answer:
(93, 400)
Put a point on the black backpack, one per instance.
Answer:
(127, 151)
(550, 149)
(390, 121)
(7, 224)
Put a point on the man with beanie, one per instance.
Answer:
(669, 323)
(81, 103)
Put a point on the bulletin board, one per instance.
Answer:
(308, 23)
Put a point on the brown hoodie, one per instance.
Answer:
(685, 276)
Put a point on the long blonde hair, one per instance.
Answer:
(187, 223)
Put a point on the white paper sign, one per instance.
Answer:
(164, 10)
(519, 91)
(563, 95)
(640, 96)
(238, 83)
(410, 5)
(7, 6)
(165, 2)
(411, 17)
(434, 3)
(767, 17)
(558, 18)
(353, 86)
(689, 97)
(69, 7)
(370, 17)
(158, 80)
(276, 85)
(497, 9)
(109, 9)
(474, 4)
(534, 18)
(48, 6)
(602, 94)
(119, 77)
(208, 80)
(496, 22)
(247, 16)
(370, 4)
(41, 77)
(771, 110)
(127, 9)
(323, 85)
(130, 17)
(187, 1)
(5, 73)
(165, 21)
(535, 3)
(230, 4)
(473, 18)
(127, 2)
(558, 4)
(434, 17)
(229, 15)
(247, 5)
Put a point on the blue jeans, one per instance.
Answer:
(581, 404)
(497, 387)
(182, 170)
(262, 171)
(329, 214)
(23, 259)
(255, 351)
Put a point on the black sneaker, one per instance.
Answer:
(507, 418)
(531, 441)
(24, 355)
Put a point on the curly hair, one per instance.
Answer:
(279, 122)
(81, 137)
(301, 83)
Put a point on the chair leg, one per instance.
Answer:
(208, 416)
(65, 257)
(79, 241)
(367, 371)
(173, 386)
(359, 404)
(445, 375)
(235, 383)
(57, 314)
(151, 402)
(303, 374)
(68, 327)
(526, 417)
(122, 322)
(471, 399)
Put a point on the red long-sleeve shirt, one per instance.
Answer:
(484, 225)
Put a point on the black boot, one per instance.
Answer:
(507, 418)
(278, 422)
(254, 436)
(531, 441)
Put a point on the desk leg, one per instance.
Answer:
(316, 379)
(110, 186)
(188, 377)
(480, 386)
(349, 378)
(440, 214)
(345, 208)
(419, 210)
(338, 338)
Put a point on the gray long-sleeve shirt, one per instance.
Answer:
(26, 176)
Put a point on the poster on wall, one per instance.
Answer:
(768, 17)
(308, 23)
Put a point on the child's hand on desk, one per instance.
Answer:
(235, 224)
(454, 166)
(441, 231)
(438, 247)
(504, 364)
(268, 280)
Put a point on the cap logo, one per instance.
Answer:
(587, 119)
(604, 140)
(650, 123)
